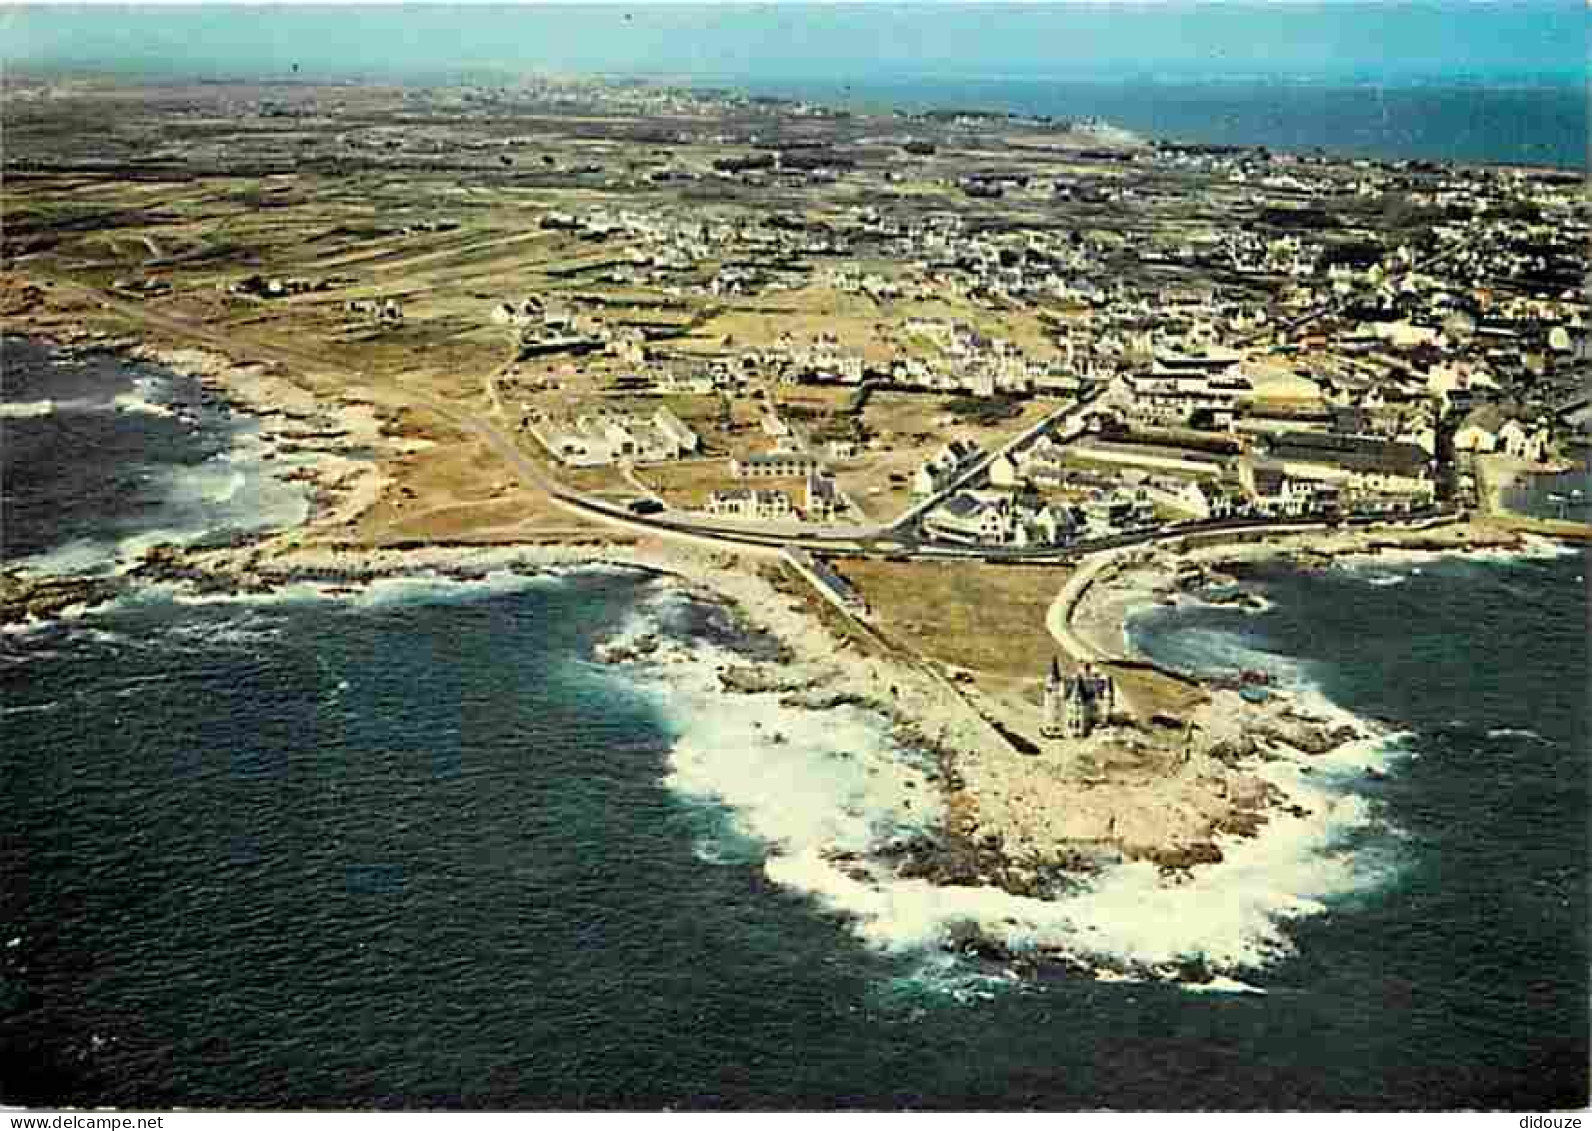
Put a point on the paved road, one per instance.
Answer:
(232, 342)
(903, 525)
(852, 541)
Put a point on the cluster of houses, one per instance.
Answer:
(821, 502)
(258, 286)
(944, 466)
(1412, 336)
(750, 503)
(383, 311)
(670, 240)
(603, 438)
(1326, 473)
(1503, 428)
(1179, 389)
(1025, 519)
(548, 327)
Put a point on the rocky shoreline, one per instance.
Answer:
(1163, 784)
(326, 447)
(1207, 796)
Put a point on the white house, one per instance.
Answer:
(750, 503)
(775, 465)
(675, 430)
(1523, 441)
(1003, 472)
(1479, 432)
(1204, 499)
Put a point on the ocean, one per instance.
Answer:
(1468, 123)
(103, 458)
(410, 844)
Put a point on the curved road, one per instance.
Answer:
(896, 536)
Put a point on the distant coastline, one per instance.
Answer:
(1478, 122)
(1449, 79)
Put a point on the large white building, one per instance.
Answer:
(775, 465)
(1075, 705)
(994, 518)
(602, 438)
(750, 503)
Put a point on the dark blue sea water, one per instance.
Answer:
(412, 847)
(1562, 495)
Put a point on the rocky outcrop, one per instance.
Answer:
(24, 598)
(755, 679)
(626, 651)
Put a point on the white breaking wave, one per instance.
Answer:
(1226, 986)
(78, 556)
(826, 791)
(382, 592)
(22, 410)
(209, 485)
(31, 708)
(232, 491)
(135, 402)
(369, 593)
(246, 631)
(1216, 650)
(145, 398)
(1386, 579)
(1533, 548)
(1516, 732)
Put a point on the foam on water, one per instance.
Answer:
(797, 780)
(147, 398)
(1516, 732)
(435, 587)
(238, 489)
(1253, 603)
(947, 977)
(50, 406)
(825, 792)
(78, 556)
(231, 492)
(1219, 650)
(1224, 986)
(31, 708)
(1229, 916)
(424, 586)
(245, 631)
(1381, 563)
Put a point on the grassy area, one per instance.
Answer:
(988, 618)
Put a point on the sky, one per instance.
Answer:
(1319, 40)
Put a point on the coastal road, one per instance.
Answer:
(243, 345)
(851, 541)
(903, 524)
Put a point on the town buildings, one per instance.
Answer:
(1075, 705)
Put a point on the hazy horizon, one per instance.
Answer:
(1338, 41)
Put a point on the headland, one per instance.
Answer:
(934, 400)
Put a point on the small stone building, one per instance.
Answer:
(1075, 705)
